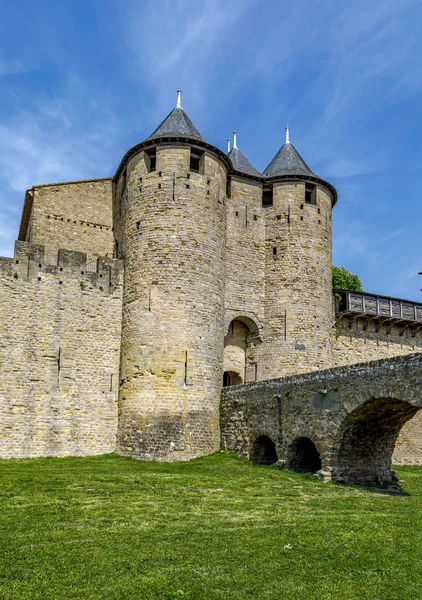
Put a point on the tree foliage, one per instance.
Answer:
(344, 280)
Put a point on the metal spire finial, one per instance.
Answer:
(234, 139)
(228, 145)
(179, 99)
(287, 135)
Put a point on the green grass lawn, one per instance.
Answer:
(217, 527)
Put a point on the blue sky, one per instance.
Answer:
(83, 81)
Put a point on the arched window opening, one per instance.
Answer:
(367, 439)
(263, 451)
(303, 457)
(240, 360)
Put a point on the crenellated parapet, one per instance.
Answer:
(28, 264)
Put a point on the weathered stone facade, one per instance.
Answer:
(59, 354)
(76, 215)
(132, 300)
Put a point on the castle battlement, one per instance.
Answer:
(28, 264)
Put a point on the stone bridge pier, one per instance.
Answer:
(342, 423)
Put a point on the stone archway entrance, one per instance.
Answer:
(240, 363)
(302, 456)
(263, 451)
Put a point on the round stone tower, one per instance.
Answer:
(170, 227)
(298, 281)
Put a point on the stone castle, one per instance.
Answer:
(132, 300)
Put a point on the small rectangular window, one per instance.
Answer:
(195, 160)
(151, 160)
(267, 195)
(310, 193)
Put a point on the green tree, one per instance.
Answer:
(344, 280)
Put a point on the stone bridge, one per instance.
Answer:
(342, 422)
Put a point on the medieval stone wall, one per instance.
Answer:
(76, 215)
(59, 354)
(357, 340)
(173, 241)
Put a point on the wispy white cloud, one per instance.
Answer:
(58, 138)
(11, 67)
(54, 137)
(182, 45)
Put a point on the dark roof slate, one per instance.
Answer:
(241, 163)
(287, 161)
(176, 124)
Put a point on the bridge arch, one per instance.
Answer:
(263, 451)
(366, 440)
(302, 456)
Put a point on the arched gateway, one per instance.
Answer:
(240, 360)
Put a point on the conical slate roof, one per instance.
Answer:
(241, 163)
(176, 124)
(287, 161)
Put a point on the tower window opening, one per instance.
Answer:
(310, 193)
(274, 251)
(195, 160)
(267, 195)
(151, 160)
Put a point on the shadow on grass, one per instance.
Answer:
(387, 490)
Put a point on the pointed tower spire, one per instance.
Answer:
(287, 161)
(228, 145)
(176, 124)
(239, 160)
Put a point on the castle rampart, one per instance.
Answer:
(59, 354)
